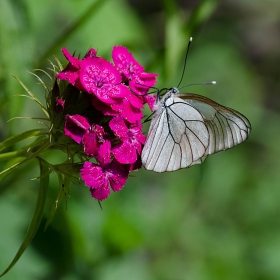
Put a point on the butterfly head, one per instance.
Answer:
(166, 92)
(174, 90)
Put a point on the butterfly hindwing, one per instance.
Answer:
(227, 127)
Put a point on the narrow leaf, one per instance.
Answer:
(22, 136)
(33, 97)
(33, 155)
(63, 187)
(37, 215)
(7, 165)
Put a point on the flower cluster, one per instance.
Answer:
(109, 128)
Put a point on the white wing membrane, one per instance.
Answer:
(184, 132)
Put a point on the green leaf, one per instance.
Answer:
(45, 145)
(19, 137)
(37, 215)
(32, 96)
(7, 165)
(63, 187)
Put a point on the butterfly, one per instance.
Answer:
(186, 128)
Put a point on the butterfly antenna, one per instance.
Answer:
(199, 84)
(185, 62)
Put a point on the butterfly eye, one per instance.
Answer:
(174, 90)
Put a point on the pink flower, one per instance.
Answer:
(72, 71)
(138, 80)
(105, 102)
(93, 139)
(131, 141)
(75, 127)
(101, 177)
(100, 77)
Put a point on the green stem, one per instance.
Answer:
(37, 215)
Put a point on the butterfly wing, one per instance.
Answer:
(227, 127)
(187, 128)
(177, 137)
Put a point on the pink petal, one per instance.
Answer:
(137, 134)
(138, 146)
(99, 76)
(102, 192)
(137, 164)
(125, 62)
(108, 92)
(119, 127)
(106, 109)
(138, 89)
(100, 179)
(104, 153)
(96, 145)
(100, 71)
(70, 74)
(150, 99)
(117, 175)
(91, 146)
(99, 132)
(148, 79)
(93, 175)
(72, 60)
(75, 127)
(135, 101)
(91, 53)
(127, 111)
(125, 153)
(142, 82)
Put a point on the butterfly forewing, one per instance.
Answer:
(173, 143)
(186, 128)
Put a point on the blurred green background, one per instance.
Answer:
(219, 220)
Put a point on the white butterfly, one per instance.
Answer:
(186, 128)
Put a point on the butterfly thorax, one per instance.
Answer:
(167, 99)
(161, 103)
